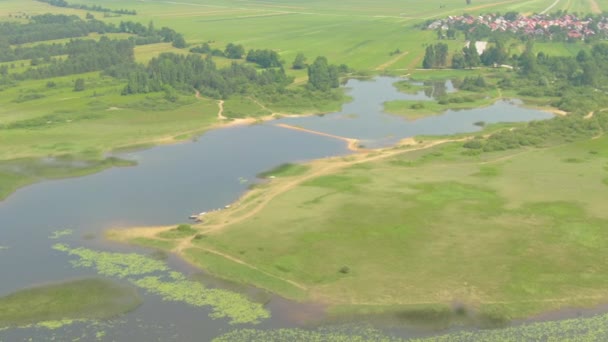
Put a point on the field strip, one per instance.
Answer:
(469, 9)
(271, 14)
(392, 61)
(550, 7)
(271, 4)
(595, 7)
(206, 14)
(277, 11)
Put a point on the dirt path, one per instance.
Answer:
(220, 112)
(392, 61)
(262, 106)
(595, 7)
(220, 104)
(187, 244)
(326, 167)
(550, 7)
(415, 62)
(353, 144)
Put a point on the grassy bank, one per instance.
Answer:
(79, 299)
(426, 227)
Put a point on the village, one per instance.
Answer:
(567, 26)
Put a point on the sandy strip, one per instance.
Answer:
(353, 144)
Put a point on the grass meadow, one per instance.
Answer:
(509, 233)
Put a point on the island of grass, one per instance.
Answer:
(504, 231)
(89, 299)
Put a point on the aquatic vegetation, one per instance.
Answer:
(113, 264)
(60, 233)
(55, 305)
(52, 325)
(225, 304)
(155, 277)
(578, 329)
(3, 248)
(332, 334)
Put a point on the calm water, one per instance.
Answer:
(171, 182)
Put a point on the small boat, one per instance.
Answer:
(193, 217)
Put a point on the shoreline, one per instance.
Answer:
(241, 209)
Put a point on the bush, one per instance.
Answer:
(184, 228)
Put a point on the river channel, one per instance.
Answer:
(171, 182)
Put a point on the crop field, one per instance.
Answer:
(509, 233)
(358, 33)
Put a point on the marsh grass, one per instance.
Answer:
(156, 277)
(79, 299)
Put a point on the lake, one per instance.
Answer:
(171, 182)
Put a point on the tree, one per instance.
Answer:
(233, 51)
(79, 84)
(322, 76)
(179, 41)
(458, 61)
(527, 60)
(441, 54)
(429, 60)
(471, 56)
(299, 62)
(451, 33)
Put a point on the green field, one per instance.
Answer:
(508, 234)
(79, 299)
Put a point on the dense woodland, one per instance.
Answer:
(59, 26)
(169, 73)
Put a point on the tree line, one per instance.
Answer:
(194, 72)
(167, 72)
(93, 8)
(59, 26)
(84, 56)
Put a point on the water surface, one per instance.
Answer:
(172, 182)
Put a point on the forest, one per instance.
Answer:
(167, 72)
